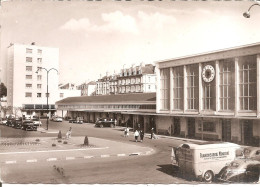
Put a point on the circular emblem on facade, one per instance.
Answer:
(208, 73)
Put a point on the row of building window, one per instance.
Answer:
(39, 86)
(30, 60)
(29, 94)
(30, 51)
(142, 107)
(246, 86)
(39, 77)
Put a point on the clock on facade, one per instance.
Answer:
(208, 73)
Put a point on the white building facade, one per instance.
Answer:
(27, 89)
(213, 96)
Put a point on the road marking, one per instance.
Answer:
(51, 159)
(34, 160)
(105, 156)
(49, 151)
(10, 162)
(121, 154)
(86, 157)
(70, 158)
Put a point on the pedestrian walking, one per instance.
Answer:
(136, 134)
(141, 136)
(152, 132)
(115, 122)
(68, 134)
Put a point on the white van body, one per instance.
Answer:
(203, 160)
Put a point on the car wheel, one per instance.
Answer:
(101, 126)
(208, 176)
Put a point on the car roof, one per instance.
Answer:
(246, 161)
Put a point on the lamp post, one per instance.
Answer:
(47, 94)
(247, 13)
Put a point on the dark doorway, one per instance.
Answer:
(176, 126)
(226, 130)
(191, 127)
(247, 131)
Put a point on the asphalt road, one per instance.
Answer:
(147, 169)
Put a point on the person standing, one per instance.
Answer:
(68, 134)
(127, 131)
(152, 131)
(115, 122)
(136, 134)
(141, 135)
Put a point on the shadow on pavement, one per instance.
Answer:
(173, 171)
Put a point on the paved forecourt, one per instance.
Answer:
(32, 150)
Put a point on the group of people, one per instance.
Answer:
(139, 133)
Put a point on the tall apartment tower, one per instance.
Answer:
(27, 89)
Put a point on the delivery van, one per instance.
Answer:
(203, 160)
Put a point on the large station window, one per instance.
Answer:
(192, 86)
(247, 83)
(209, 86)
(165, 88)
(226, 84)
(178, 88)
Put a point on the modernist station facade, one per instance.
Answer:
(210, 96)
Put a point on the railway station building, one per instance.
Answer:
(213, 96)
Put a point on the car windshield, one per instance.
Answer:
(234, 165)
(247, 152)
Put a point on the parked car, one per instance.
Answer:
(10, 122)
(28, 125)
(252, 152)
(77, 120)
(3, 121)
(241, 170)
(57, 119)
(105, 123)
(37, 122)
(18, 123)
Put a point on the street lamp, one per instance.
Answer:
(47, 94)
(247, 14)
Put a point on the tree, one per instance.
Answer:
(3, 90)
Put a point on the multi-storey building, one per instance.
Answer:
(27, 89)
(87, 89)
(138, 79)
(213, 95)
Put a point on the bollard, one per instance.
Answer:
(86, 140)
(59, 135)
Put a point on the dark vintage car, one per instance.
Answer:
(29, 125)
(10, 122)
(252, 153)
(105, 123)
(17, 123)
(241, 170)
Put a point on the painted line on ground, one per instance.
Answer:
(105, 156)
(121, 154)
(49, 151)
(10, 162)
(33, 160)
(51, 159)
(70, 158)
(87, 157)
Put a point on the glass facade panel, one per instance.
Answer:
(226, 84)
(247, 83)
(165, 89)
(192, 86)
(178, 88)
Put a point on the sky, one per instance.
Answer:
(95, 37)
